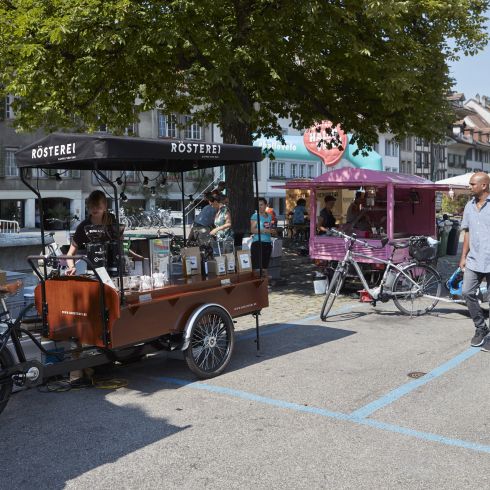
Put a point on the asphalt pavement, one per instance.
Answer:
(368, 399)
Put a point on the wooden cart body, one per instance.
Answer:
(74, 308)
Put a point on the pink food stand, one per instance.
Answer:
(401, 206)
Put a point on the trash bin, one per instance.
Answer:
(453, 239)
(442, 248)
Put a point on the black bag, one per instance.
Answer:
(420, 249)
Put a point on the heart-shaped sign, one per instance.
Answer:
(326, 141)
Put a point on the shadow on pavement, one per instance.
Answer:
(50, 439)
(280, 341)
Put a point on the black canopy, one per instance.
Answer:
(105, 152)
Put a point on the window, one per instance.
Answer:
(281, 169)
(376, 147)
(9, 111)
(193, 131)
(167, 126)
(75, 174)
(131, 176)
(469, 154)
(391, 148)
(294, 170)
(311, 171)
(302, 171)
(406, 144)
(11, 169)
(418, 159)
(272, 169)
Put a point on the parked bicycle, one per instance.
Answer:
(415, 286)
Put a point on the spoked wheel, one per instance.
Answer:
(333, 291)
(211, 343)
(420, 294)
(6, 361)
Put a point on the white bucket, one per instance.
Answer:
(320, 286)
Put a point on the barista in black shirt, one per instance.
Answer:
(98, 215)
(326, 220)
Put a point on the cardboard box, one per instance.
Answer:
(244, 261)
(230, 263)
(217, 266)
(193, 254)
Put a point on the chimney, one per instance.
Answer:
(477, 98)
(484, 100)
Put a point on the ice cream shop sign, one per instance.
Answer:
(326, 141)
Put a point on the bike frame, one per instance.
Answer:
(349, 258)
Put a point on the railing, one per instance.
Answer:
(193, 204)
(9, 226)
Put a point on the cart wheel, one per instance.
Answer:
(6, 361)
(211, 343)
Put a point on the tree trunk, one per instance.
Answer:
(239, 181)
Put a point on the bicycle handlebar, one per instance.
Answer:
(352, 238)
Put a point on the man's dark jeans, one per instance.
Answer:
(471, 283)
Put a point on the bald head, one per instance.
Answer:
(479, 184)
(481, 177)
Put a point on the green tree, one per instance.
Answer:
(368, 64)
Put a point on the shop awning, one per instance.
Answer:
(357, 177)
(105, 152)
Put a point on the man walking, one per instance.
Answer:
(475, 258)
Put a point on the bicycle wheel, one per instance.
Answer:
(6, 361)
(211, 345)
(419, 294)
(333, 291)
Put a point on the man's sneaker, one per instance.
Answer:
(486, 345)
(479, 338)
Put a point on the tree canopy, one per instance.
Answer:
(370, 65)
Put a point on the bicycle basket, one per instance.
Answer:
(420, 249)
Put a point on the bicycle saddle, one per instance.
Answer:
(399, 244)
(12, 288)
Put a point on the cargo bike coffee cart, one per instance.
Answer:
(193, 314)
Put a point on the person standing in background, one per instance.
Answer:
(263, 249)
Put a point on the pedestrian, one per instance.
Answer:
(299, 212)
(204, 222)
(475, 257)
(220, 188)
(222, 220)
(326, 220)
(261, 250)
(357, 214)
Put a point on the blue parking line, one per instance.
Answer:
(292, 324)
(244, 395)
(412, 385)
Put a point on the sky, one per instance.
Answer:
(472, 73)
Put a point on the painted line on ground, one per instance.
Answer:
(397, 393)
(292, 324)
(244, 395)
